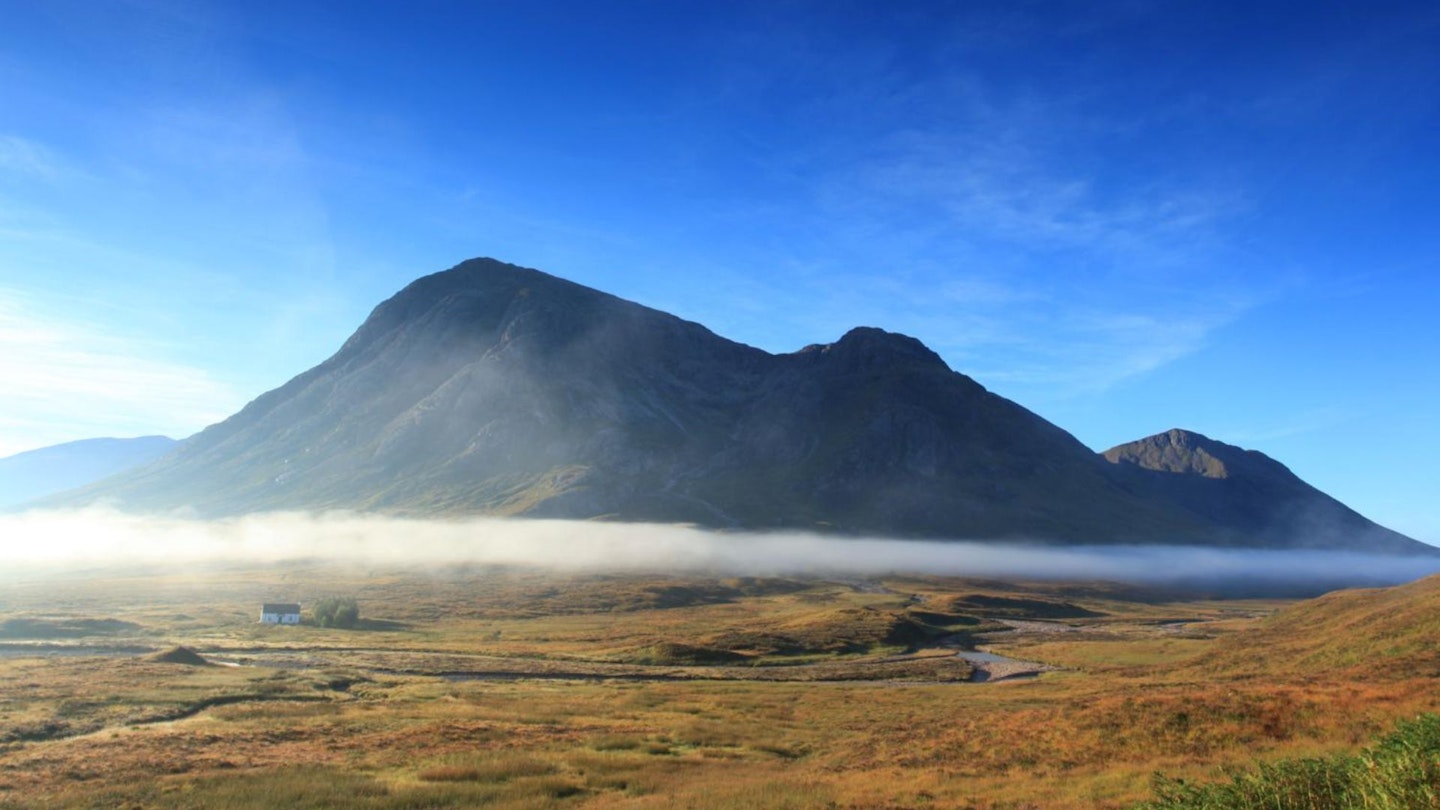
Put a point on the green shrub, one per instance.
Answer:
(336, 611)
(1401, 771)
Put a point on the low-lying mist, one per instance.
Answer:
(98, 537)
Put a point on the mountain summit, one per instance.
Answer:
(1188, 453)
(495, 389)
(1250, 498)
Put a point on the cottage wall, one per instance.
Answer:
(280, 614)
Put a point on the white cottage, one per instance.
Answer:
(279, 613)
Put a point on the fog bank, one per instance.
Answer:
(100, 537)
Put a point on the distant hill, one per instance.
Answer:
(495, 389)
(1249, 497)
(48, 470)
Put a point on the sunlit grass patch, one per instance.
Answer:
(393, 734)
(767, 792)
(728, 733)
(487, 767)
(616, 742)
(1401, 771)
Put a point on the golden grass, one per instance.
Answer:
(340, 729)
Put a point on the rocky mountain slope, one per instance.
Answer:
(1250, 498)
(490, 388)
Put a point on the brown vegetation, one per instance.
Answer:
(180, 655)
(324, 718)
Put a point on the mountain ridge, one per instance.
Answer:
(60, 467)
(495, 389)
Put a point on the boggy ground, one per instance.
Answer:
(472, 687)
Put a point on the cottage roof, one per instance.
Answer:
(280, 607)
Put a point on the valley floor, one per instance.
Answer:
(481, 686)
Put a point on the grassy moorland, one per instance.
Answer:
(1401, 771)
(466, 687)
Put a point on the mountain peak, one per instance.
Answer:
(868, 347)
(1258, 499)
(486, 276)
(484, 303)
(497, 389)
(1189, 453)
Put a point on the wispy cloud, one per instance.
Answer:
(1093, 351)
(28, 157)
(1298, 424)
(111, 325)
(994, 182)
(1021, 230)
(71, 379)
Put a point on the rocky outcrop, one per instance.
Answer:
(1248, 497)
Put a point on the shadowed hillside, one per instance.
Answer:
(1250, 498)
(494, 389)
(497, 389)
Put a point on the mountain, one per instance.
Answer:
(1249, 497)
(490, 388)
(37, 473)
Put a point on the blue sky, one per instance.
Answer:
(1127, 216)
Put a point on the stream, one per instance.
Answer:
(991, 666)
